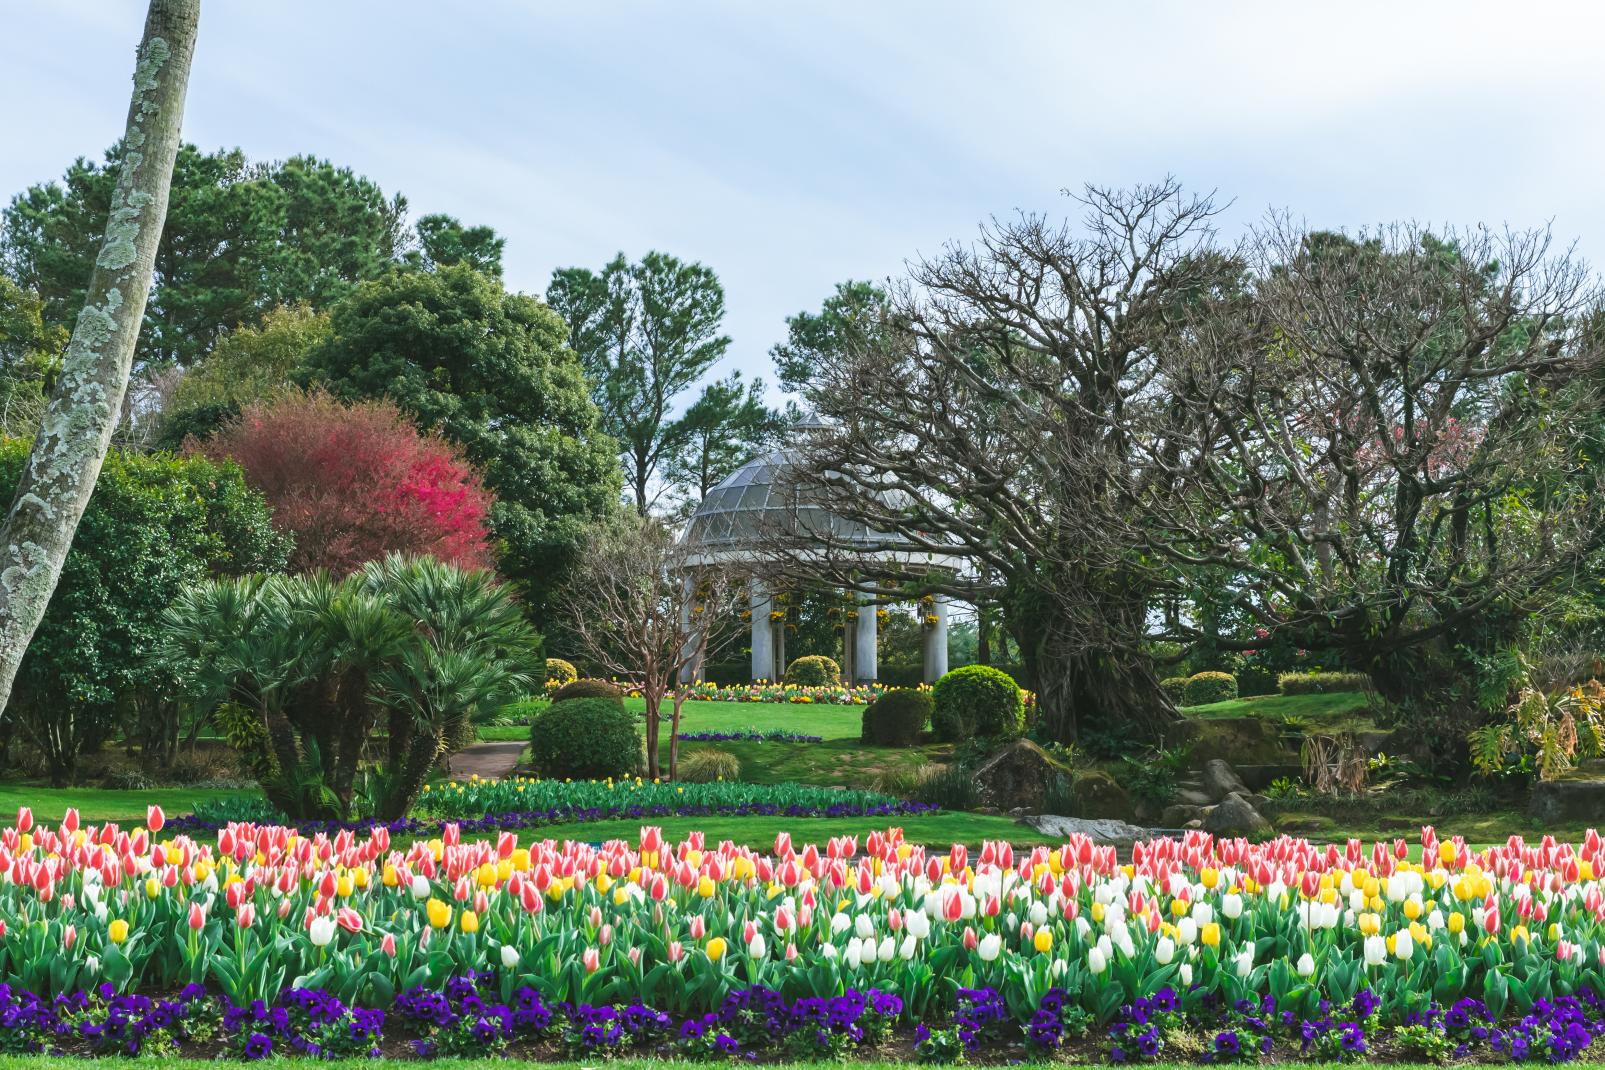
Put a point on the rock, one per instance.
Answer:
(1019, 775)
(1235, 816)
(1260, 777)
(1177, 815)
(1195, 823)
(1100, 830)
(1573, 801)
(1097, 794)
(1239, 740)
(1194, 797)
(1221, 780)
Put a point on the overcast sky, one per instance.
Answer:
(790, 145)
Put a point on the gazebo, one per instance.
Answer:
(757, 514)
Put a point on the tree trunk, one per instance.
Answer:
(654, 722)
(78, 423)
(408, 780)
(674, 734)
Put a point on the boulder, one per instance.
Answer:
(1018, 775)
(1177, 815)
(1221, 780)
(1570, 801)
(1236, 816)
(1194, 797)
(1105, 830)
(1097, 794)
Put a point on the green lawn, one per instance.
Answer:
(102, 804)
(822, 719)
(933, 829)
(1280, 707)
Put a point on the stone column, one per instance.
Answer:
(936, 641)
(865, 657)
(763, 633)
(692, 669)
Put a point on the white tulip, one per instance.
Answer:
(420, 886)
(1186, 931)
(829, 951)
(1231, 905)
(1404, 945)
(918, 925)
(839, 923)
(1083, 926)
(1185, 974)
(990, 947)
(92, 964)
(854, 953)
(909, 945)
(1164, 950)
(1244, 961)
(1105, 946)
(1038, 915)
(1376, 951)
(1097, 961)
(758, 948)
(864, 927)
(321, 931)
(1306, 965)
(509, 956)
(887, 950)
(1202, 913)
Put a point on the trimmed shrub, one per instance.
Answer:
(1253, 680)
(1320, 683)
(708, 764)
(814, 670)
(977, 701)
(1175, 687)
(1202, 688)
(560, 673)
(897, 718)
(586, 738)
(589, 688)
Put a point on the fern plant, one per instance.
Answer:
(1553, 729)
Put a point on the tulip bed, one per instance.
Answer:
(1195, 948)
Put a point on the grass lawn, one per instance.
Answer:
(103, 804)
(1340, 704)
(759, 832)
(809, 719)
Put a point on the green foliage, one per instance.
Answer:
(590, 688)
(645, 333)
(707, 765)
(489, 370)
(560, 672)
(813, 670)
(1319, 683)
(443, 241)
(1152, 777)
(897, 718)
(719, 432)
(1206, 687)
(239, 239)
(587, 739)
(154, 525)
(1175, 687)
(30, 352)
(1543, 731)
(978, 701)
(849, 317)
(949, 786)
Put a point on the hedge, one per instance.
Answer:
(1320, 683)
(1202, 688)
(897, 718)
(589, 688)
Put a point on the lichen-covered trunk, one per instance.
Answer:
(78, 423)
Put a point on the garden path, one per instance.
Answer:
(495, 759)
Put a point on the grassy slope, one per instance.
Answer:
(101, 804)
(1281, 707)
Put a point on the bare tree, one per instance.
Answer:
(646, 607)
(83, 412)
(987, 420)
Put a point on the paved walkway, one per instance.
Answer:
(487, 759)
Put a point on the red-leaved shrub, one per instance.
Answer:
(352, 483)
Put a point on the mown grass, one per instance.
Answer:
(1281, 707)
(103, 804)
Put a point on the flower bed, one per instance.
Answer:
(1305, 947)
(750, 735)
(831, 694)
(637, 797)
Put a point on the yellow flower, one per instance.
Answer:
(342, 885)
(1207, 877)
(439, 913)
(1412, 908)
(391, 877)
(469, 922)
(1209, 935)
(117, 930)
(716, 948)
(1457, 923)
(1043, 940)
(705, 886)
(1370, 924)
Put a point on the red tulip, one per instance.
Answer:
(388, 944)
(154, 818)
(197, 916)
(24, 819)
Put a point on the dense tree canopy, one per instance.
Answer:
(719, 432)
(489, 370)
(240, 239)
(646, 333)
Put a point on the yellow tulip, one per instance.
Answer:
(343, 886)
(1209, 935)
(1457, 923)
(439, 913)
(469, 922)
(117, 930)
(1097, 912)
(1207, 877)
(705, 886)
(1412, 908)
(1043, 940)
(716, 948)
(391, 877)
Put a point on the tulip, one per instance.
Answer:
(439, 913)
(197, 916)
(388, 944)
(1306, 965)
(321, 931)
(716, 948)
(1164, 950)
(509, 956)
(117, 931)
(757, 947)
(468, 922)
(245, 915)
(1043, 941)
(24, 819)
(1097, 962)
(592, 960)
(154, 818)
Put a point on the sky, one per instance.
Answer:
(793, 145)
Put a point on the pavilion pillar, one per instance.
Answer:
(935, 652)
(866, 665)
(691, 671)
(763, 632)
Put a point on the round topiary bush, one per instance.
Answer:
(589, 689)
(1203, 688)
(586, 738)
(1175, 687)
(897, 718)
(814, 670)
(560, 672)
(977, 700)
